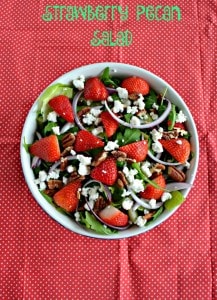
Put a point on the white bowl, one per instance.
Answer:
(122, 70)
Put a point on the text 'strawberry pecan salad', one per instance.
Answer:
(110, 152)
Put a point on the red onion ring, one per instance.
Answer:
(149, 125)
(111, 90)
(36, 161)
(108, 194)
(66, 127)
(74, 107)
(56, 164)
(161, 161)
(144, 202)
(176, 186)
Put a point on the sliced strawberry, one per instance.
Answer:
(46, 148)
(152, 192)
(67, 196)
(113, 216)
(178, 148)
(62, 106)
(136, 85)
(136, 150)
(95, 90)
(106, 172)
(176, 125)
(110, 124)
(86, 141)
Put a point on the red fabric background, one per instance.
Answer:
(42, 260)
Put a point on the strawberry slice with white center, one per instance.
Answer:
(113, 216)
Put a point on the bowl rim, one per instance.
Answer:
(66, 221)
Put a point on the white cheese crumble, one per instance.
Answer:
(91, 205)
(132, 110)
(97, 130)
(56, 130)
(135, 121)
(95, 111)
(118, 106)
(166, 196)
(157, 147)
(77, 216)
(52, 116)
(153, 116)
(42, 176)
(111, 146)
(89, 119)
(110, 99)
(65, 180)
(145, 168)
(83, 170)
(79, 83)
(137, 186)
(156, 134)
(54, 174)
(140, 102)
(187, 165)
(122, 93)
(140, 221)
(127, 203)
(90, 192)
(125, 193)
(129, 174)
(181, 118)
(72, 152)
(70, 169)
(84, 160)
(152, 203)
(155, 106)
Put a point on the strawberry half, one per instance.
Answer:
(46, 148)
(136, 85)
(136, 150)
(95, 90)
(113, 216)
(152, 192)
(67, 196)
(178, 148)
(86, 141)
(110, 124)
(106, 172)
(176, 125)
(62, 106)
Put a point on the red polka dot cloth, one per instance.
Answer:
(39, 258)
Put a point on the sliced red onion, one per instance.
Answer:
(36, 161)
(66, 127)
(144, 202)
(111, 90)
(176, 186)
(161, 161)
(108, 195)
(56, 164)
(74, 107)
(141, 126)
(38, 135)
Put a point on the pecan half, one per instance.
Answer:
(63, 163)
(158, 168)
(122, 177)
(74, 176)
(175, 174)
(83, 111)
(133, 96)
(148, 216)
(54, 184)
(100, 204)
(117, 154)
(68, 140)
(99, 158)
(173, 134)
(66, 151)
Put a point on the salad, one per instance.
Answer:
(110, 152)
